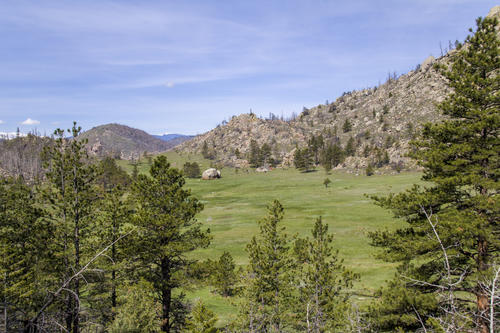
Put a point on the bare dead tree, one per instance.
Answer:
(492, 289)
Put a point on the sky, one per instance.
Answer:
(185, 66)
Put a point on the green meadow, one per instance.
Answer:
(234, 204)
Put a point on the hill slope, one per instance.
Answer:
(383, 120)
(123, 141)
(385, 117)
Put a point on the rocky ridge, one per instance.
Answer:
(383, 118)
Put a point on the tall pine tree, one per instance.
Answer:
(451, 237)
(71, 196)
(167, 232)
(323, 299)
(268, 291)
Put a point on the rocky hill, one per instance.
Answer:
(386, 116)
(380, 120)
(123, 142)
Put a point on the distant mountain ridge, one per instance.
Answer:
(124, 142)
(169, 137)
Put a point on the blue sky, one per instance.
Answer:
(184, 66)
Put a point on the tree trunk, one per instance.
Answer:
(69, 312)
(113, 273)
(5, 305)
(166, 299)
(481, 295)
(76, 310)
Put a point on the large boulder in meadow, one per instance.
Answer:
(210, 174)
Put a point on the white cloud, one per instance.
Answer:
(30, 121)
(170, 84)
(1, 121)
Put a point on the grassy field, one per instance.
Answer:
(234, 204)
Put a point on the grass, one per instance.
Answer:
(234, 204)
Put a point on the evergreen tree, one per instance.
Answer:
(25, 256)
(202, 319)
(303, 159)
(451, 238)
(167, 231)
(224, 276)
(255, 156)
(72, 195)
(135, 171)
(137, 311)
(110, 174)
(334, 154)
(323, 300)
(268, 290)
(298, 159)
(204, 150)
(113, 215)
(191, 170)
(315, 145)
(347, 126)
(327, 182)
(369, 170)
(350, 148)
(265, 154)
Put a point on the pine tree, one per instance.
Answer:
(25, 258)
(323, 299)
(191, 170)
(202, 319)
(255, 156)
(265, 154)
(204, 150)
(350, 148)
(111, 175)
(224, 276)
(451, 238)
(72, 195)
(135, 171)
(137, 311)
(369, 170)
(167, 231)
(327, 182)
(303, 159)
(298, 159)
(268, 289)
(113, 215)
(347, 126)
